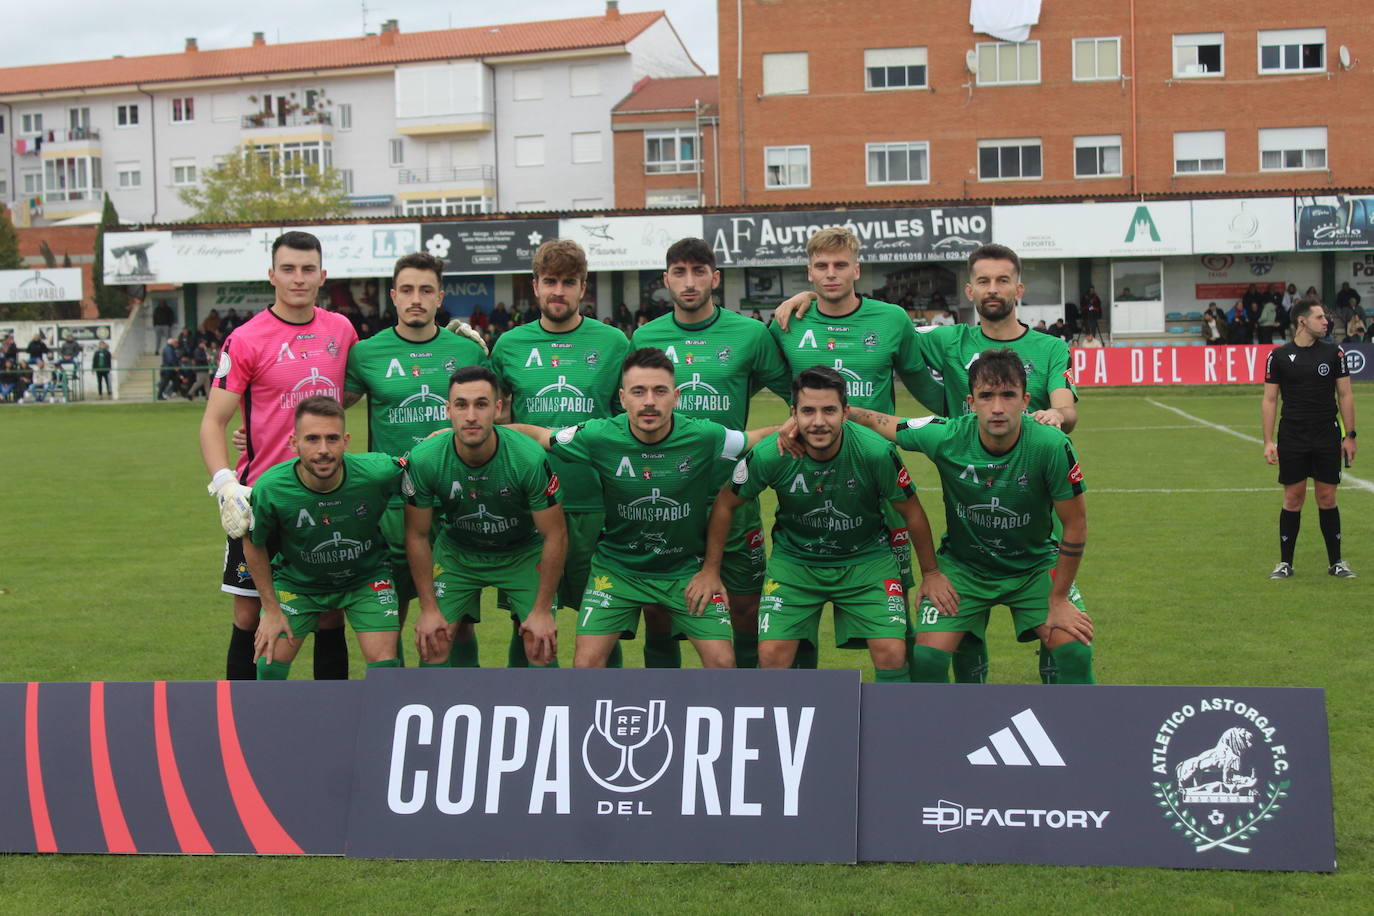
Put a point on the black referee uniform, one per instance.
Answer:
(1308, 438)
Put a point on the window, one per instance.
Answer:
(33, 183)
(1199, 152)
(671, 151)
(126, 115)
(183, 110)
(345, 116)
(346, 177)
(1292, 148)
(1008, 159)
(895, 68)
(1198, 55)
(787, 166)
(71, 178)
(183, 172)
(685, 197)
(2, 124)
(584, 79)
(586, 146)
(785, 74)
(1003, 63)
(1096, 157)
(296, 159)
(395, 152)
(527, 85)
(31, 123)
(898, 163)
(79, 120)
(1292, 51)
(449, 206)
(529, 151)
(1096, 58)
(129, 175)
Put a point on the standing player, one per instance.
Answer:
(500, 525)
(1004, 482)
(316, 545)
(274, 361)
(657, 475)
(1307, 372)
(561, 370)
(721, 358)
(830, 540)
(404, 371)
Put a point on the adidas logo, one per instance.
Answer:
(1009, 749)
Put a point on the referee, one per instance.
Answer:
(1307, 371)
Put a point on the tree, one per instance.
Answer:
(9, 243)
(257, 184)
(110, 301)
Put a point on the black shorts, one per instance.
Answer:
(1299, 462)
(237, 579)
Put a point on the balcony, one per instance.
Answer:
(263, 127)
(76, 141)
(466, 175)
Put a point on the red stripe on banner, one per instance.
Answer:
(117, 838)
(43, 838)
(266, 835)
(189, 835)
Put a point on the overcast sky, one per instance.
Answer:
(55, 31)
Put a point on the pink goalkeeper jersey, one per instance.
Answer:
(273, 365)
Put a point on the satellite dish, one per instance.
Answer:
(1344, 53)
(971, 60)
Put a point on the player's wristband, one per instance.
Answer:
(1350, 434)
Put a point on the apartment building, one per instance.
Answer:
(460, 121)
(666, 135)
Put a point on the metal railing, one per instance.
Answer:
(265, 119)
(483, 173)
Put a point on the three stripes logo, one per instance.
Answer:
(1013, 753)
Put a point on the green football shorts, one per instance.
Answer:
(393, 528)
(459, 590)
(370, 608)
(868, 597)
(899, 539)
(612, 601)
(1027, 596)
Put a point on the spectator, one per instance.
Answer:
(101, 361)
(171, 360)
(1090, 341)
(1125, 295)
(1040, 326)
(202, 360)
(1059, 330)
(9, 381)
(1355, 329)
(479, 320)
(210, 327)
(230, 321)
(1213, 327)
(1347, 300)
(9, 349)
(70, 350)
(37, 349)
(41, 388)
(1266, 321)
(163, 317)
(500, 319)
(1290, 297)
(1090, 310)
(1239, 330)
(944, 319)
(623, 318)
(1073, 321)
(645, 313)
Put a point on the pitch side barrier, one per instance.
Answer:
(652, 765)
(1232, 364)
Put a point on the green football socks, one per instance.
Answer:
(464, 654)
(1075, 663)
(930, 665)
(971, 661)
(746, 649)
(900, 675)
(273, 671)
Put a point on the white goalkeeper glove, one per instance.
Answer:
(235, 512)
(459, 326)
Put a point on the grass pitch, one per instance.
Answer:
(109, 560)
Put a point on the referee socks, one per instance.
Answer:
(1289, 523)
(1330, 521)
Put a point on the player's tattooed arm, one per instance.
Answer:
(541, 434)
(884, 424)
(706, 584)
(1064, 615)
(934, 584)
(433, 635)
(797, 305)
(273, 624)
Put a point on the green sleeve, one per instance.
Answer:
(353, 375)
(264, 519)
(418, 481)
(496, 363)
(770, 369)
(618, 346)
(1063, 476)
(1058, 371)
(893, 480)
(540, 483)
(750, 477)
(921, 434)
(576, 443)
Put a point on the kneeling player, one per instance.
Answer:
(830, 539)
(501, 525)
(319, 516)
(1003, 481)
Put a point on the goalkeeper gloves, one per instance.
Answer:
(459, 326)
(235, 513)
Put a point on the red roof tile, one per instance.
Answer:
(672, 94)
(447, 44)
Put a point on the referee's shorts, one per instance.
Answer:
(1315, 454)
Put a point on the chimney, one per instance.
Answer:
(191, 45)
(259, 39)
(389, 30)
(612, 9)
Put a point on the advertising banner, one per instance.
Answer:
(628, 242)
(1243, 225)
(1160, 365)
(464, 293)
(59, 284)
(355, 250)
(1099, 230)
(487, 246)
(190, 256)
(1359, 360)
(901, 234)
(1337, 222)
(1174, 777)
(626, 765)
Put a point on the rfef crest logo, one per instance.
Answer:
(627, 748)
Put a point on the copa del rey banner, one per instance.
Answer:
(1158, 365)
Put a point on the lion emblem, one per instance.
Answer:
(1224, 758)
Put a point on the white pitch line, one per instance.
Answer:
(1346, 476)
(1167, 490)
(1131, 429)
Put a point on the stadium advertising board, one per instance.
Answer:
(1359, 361)
(628, 242)
(60, 284)
(903, 234)
(1243, 225)
(188, 256)
(1159, 365)
(1337, 222)
(1124, 230)
(487, 246)
(627, 765)
(1176, 777)
(355, 250)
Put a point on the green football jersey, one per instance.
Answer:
(406, 384)
(867, 347)
(657, 497)
(999, 509)
(720, 363)
(326, 542)
(830, 513)
(557, 380)
(484, 509)
(949, 351)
